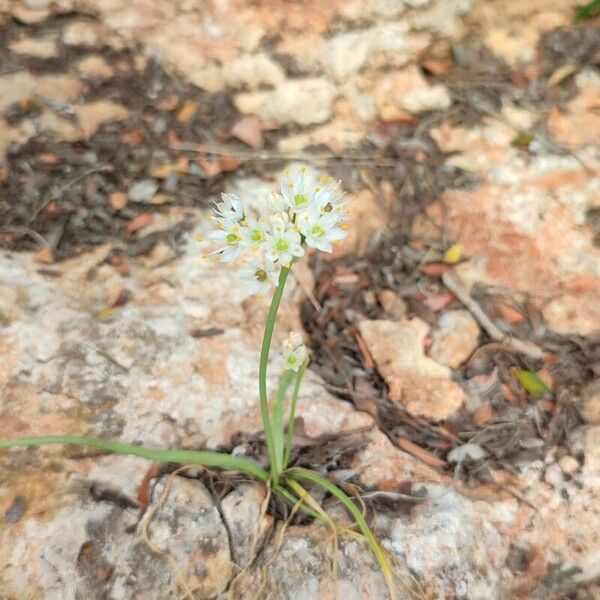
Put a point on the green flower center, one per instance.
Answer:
(300, 200)
(257, 235)
(282, 245)
(328, 207)
(261, 275)
(292, 359)
(318, 231)
(232, 239)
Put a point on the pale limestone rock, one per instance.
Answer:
(9, 135)
(28, 16)
(591, 465)
(515, 39)
(94, 66)
(420, 384)
(37, 47)
(569, 465)
(380, 464)
(455, 338)
(574, 313)
(409, 90)
(363, 104)
(38, 4)
(336, 135)
(554, 475)
(22, 86)
(143, 190)
(184, 523)
(243, 511)
(590, 403)
(441, 17)
(450, 526)
(95, 114)
(367, 218)
(345, 54)
(301, 101)
(59, 127)
(393, 305)
(520, 118)
(432, 97)
(450, 542)
(579, 123)
(84, 33)
(253, 71)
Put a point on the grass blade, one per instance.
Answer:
(206, 458)
(587, 11)
(306, 475)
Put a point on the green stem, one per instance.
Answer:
(290, 427)
(262, 369)
(299, 473)
(206, 458)
(277, 424)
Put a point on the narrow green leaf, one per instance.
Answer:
(277, 422)
(290, 424)
(532, 383)
(206, 458)
(299, 473)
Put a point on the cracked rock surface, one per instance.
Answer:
(475, 121)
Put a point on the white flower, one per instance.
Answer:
(255, 232)
(283, 244)
(230, 233)
(231, 207)
(320, 229)
(260, 274)
(298, 192)
(329, 198)
(276, 202)
(307, 212)
(294, 351)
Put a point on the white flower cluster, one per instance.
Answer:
(294, 351)
(307, 211)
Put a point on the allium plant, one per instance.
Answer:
(307, 212)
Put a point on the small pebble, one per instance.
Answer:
(142, 191)
(16, 510)
(553, 475)
(568, 465)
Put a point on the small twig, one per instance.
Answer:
(308, 293)
(27, 231)
(392, 496)
(108, 357)
(267, 156)
(515, 494)
(63, 188)
(509, 343)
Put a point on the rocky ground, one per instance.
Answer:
(454, 335)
